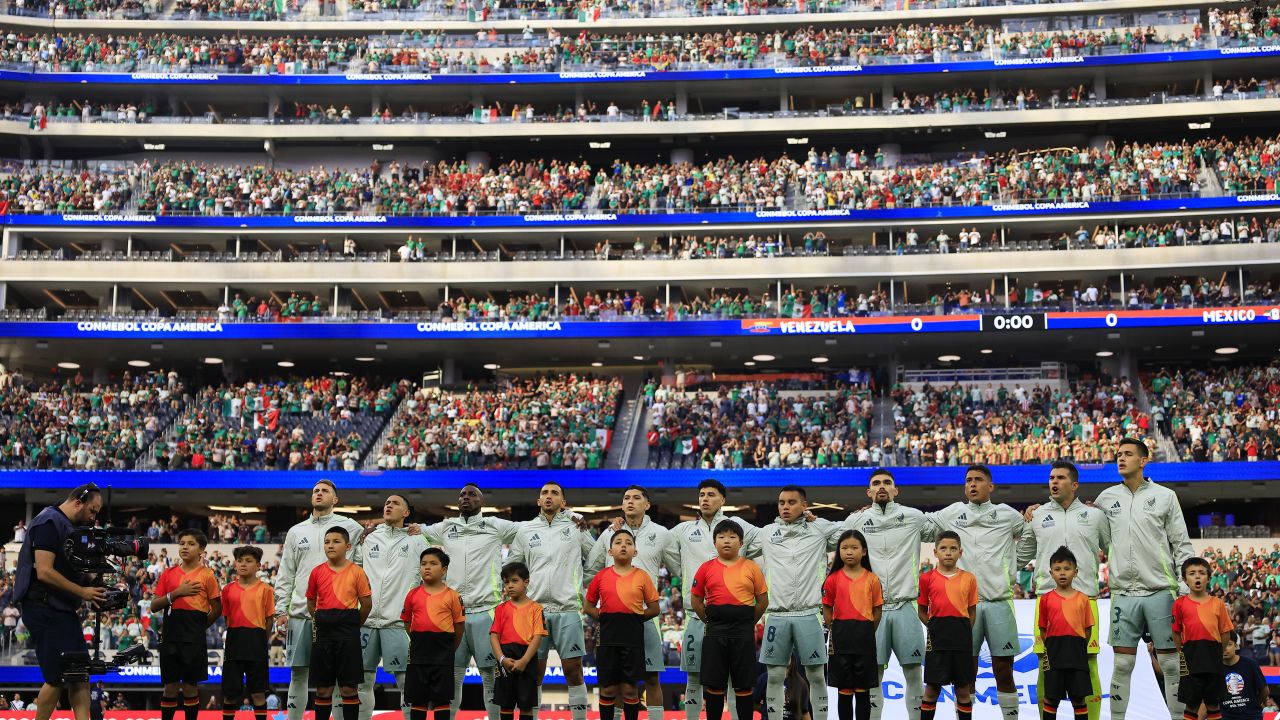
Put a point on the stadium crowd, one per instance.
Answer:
(967, 423)
(302, 423)
(857, 179)
(551, 421)
(1218, 413)
(75, 424)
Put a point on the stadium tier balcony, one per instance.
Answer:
(555, 421)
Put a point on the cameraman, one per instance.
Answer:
(50, 593)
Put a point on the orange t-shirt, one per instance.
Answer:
(729, 595)
(337, 594)
(186, 620)
(622, 600)
(518, 624)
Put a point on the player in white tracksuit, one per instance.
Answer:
(692, 544)
(474, 543)
(554, 548)
(988, 533)
(389, 556)
(793, 554)
(1067, 522)
(304, 550)
(1149, 543)
(894, 533)
(651, 548)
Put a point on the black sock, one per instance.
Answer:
(1049, 709)
(324, 708)
(844, 705)
(964, 711)
(506, 713)
(746, 702)
(168, 707)
(927, 709)
(607, 707)
(191, 707)
(441, 712)
(350, 707)
(229, 710)
(417, 712)
(1081, 709)
(713, 701)
(630, 710)
(863, 698)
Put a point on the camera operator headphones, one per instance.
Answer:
(88, 491)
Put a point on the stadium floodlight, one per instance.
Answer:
(69, 365)
(597, 364)
(948, 358)
(986, 351)
(995, 134)
(153, 146)
(139, 363)
(492, 366)
(797, 141)
(285, 363)
(763, 358)
(820, 359)
(383, 147)
(637, 357)
(1228, 350)
(1199, 125)
(749, 363)
(600, 145)
(213, 361)
(1104, 353)
(365, 358)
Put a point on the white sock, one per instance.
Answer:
(1008, 704)
(578, 702)
(876, 696)
(366, 696)
(913, 675)
(774, 690)
(692, 696)
(486, 680)
(459, 674)
(817, 690)
(299, 678)
(654, 712)
(1169, 668)
(1121, 678)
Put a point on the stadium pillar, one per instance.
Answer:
(892, 153)
(682, 99)
(886, 93)
(448, 371)
(115, 297)
(1239, 271)
(4, 293)
(478, 160)
(893, 293)
(681, 155)
(1006, 277)
(783, 96)
(1207, 86)
(7, 249)
(273, 105)
(1100, 85)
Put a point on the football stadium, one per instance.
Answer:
(598, 359)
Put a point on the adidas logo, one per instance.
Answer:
(695, 535)
(375, 548)
(535, 537)
(303, 541)
(869, 523)
(1115, 505)
(915, 653)
(575, 648)
(813, 655)
(1008, 646)
(963, 516)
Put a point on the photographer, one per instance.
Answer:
(50, 593)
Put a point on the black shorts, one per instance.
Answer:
(1061, 685)
(726, 659)
(241, 675)
(53, 632)
(1207, 688)
(949, 667)
(852, 672)
(337, 661)
(428, 685)
(516, 690)
(619, 664)
(183, 662)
